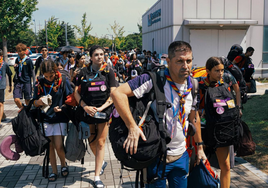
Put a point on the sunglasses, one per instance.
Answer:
(44, 50)
(105, 55)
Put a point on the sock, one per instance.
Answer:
(103, 162)
(96, 178)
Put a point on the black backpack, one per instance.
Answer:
(156, 133)
(31, 139)
(236, 72)
(222, 117)
(235, 51)
(246, 145)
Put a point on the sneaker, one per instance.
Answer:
(103, 167)
(99, 183)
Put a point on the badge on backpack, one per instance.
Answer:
(220, 110)
(103, 88)
(231, 104)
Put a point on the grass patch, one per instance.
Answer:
(255, 114)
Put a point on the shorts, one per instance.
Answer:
(2, 95)
(176, 173)
(55, 129)
(22, 90)
(82, 116)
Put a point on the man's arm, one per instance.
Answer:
(195, 120)
(120, 98)
(238, 97)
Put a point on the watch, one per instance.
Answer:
(199, 143)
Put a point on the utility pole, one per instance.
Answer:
(46, 33)
(67, 44)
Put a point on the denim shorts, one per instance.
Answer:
(176, 173)
(22, 90)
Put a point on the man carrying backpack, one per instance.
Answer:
(177, 89)
(244, 62)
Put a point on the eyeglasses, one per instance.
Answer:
(44, 50)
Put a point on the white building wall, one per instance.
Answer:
(174, 12)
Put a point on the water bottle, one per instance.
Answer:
(100, 115)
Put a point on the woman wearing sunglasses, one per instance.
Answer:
(97, 82)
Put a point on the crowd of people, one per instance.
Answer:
(96, 88)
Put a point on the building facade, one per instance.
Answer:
(210, 26)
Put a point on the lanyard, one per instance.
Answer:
(173, 109)
(91, 79)
(21, 62)
(49, 89)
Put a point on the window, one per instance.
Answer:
(265, 45)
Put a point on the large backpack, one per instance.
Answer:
(246, 145)
(32, 140)
(28, 131)
(74, 147)
(236, 72)
(222, 117)
(235, 51)
(155, 131)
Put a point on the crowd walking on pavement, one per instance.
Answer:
(69, 91)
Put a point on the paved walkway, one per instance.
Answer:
(27, 171)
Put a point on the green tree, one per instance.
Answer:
(83, 31)
(15, 15)
(118, 32)
(54, 30)
(70, 35)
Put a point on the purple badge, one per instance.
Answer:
(19, 74)
(98, 83)
(115, 113)
(220, 110)
(93, 88)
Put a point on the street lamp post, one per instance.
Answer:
(46, 30)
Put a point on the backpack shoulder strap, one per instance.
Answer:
(63, 85)
(194, 90)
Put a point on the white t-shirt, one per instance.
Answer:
(143, 84)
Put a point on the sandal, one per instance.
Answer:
(64, 171)
(52, 177)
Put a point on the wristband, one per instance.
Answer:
(199, 143)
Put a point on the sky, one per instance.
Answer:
(101, 13)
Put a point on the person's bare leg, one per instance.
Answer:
(1, 111)
(52, 156)
(18, 102)
(100, 146)
(27, 101)
(60, 150)
(223, 156)
(92, 135)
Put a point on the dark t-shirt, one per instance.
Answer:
(58, 99)
(87, 70)
(5, 70)
(27, 70)
(38, 63)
